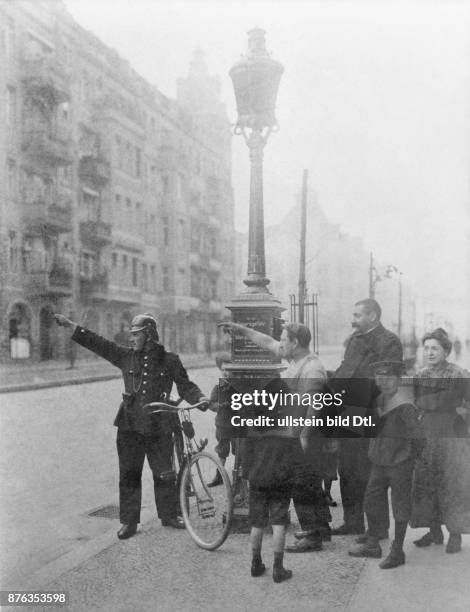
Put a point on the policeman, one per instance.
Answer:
(149, 372)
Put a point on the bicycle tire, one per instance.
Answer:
(207, 512)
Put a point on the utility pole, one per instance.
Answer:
(303, 231)
(371, 277)
(400, 274)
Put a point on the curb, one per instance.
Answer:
(47, 384)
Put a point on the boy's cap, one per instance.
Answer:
(388, 368)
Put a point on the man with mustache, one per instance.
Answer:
(369, 343)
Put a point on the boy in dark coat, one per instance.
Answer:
(399, 440)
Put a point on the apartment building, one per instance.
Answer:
(114, 199)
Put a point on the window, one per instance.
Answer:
(134, 272)
(145, 280)
(11, 172)
(118, 211)
(13, 251)
(129, 221)
(114, 260)
(166, 232)
(166, 185)
(138, 162)
(87, 265)
(153, 280)
(138, 218)
(213, 288)
(166, 280)
(181, 231)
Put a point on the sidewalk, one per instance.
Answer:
(21, 376)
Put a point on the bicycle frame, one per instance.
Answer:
(192, 481)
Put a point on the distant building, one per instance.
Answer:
(336, 270)
(114, 199)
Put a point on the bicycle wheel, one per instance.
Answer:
(207, 512)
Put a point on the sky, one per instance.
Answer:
(374, 102)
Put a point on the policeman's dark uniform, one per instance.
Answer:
(148, 377)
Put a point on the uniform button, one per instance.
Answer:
(143, 392)
(145, 358)
(145, 373)
(145, 382)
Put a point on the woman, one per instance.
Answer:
(441, 491)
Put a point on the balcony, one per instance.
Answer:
(96, 286)
(94, 170)
(124, 295)
(50, 145)
(46, 77)
(129, 242)
(55, 279)
(44, 216)
(95, 233)
(107, 106)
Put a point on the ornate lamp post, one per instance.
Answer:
(255, 79)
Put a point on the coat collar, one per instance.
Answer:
(404, 395)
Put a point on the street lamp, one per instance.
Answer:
(255, 80)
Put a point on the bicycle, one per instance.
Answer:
(207, 512)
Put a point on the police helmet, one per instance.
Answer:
(145, 322)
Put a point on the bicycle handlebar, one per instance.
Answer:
(164, 407)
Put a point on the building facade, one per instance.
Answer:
(114, 199)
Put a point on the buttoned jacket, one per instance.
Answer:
(148, 377)
(354, 377)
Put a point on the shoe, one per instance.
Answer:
(280, 574)
(366, 550)
(429, 538)
(347, 530)
(216, 481)
(362, 539)
(454, 545)
(309, 544)
(127, 531)
(325, 535)
(257, 569)
(176, 522)
(393, 559)
(330, 501)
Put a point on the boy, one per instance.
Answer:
(220, 399)
(399, 440)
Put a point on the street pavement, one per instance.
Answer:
(58, 463)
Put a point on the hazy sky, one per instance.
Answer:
(374, 101)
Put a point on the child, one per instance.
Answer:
(220, 403)
(399, 440)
